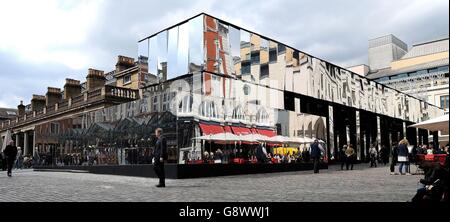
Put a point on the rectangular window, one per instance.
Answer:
(281, 48)
(273, 55)
(245, 67)
(127, 79)
(255, 57)
(54, 128)
(432, 70)
(264, 71)
(399, 76)
(443, 69)
(445, 102)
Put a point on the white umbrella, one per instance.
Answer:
(297, 140)
(308, 140)
(219, 137)
(277, 139)
(435, 124)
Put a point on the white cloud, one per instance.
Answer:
(46, 30)
(42, 42)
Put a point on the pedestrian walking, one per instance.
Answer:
(19, 159)
(160, 155)
(315, 155)
(373, 156)
(342, 156)
(350, 156)
(403, 156)
(36, 157)
(394, 159)
(384, 154)
(10, 155)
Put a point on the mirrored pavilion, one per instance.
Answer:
(218, 91)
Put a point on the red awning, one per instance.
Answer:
(209, 129)
(268, 133)
(241, 130)
(227, 129)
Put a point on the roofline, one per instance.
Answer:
(431, 41)
(379, 37)
(271, 39)
(358, 65)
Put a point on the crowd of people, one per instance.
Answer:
(260, 155)
(434, 186)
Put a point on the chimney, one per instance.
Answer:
(123, 63)
(72, 88)
(53, 96)
(95, 79)
(21, 109)
(37, 103)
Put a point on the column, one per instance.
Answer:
(378, 132)
(34, 142)
(435, 139)
(404, 129)
(358, 136)
(331, 146)
(25, 143)
(419, 141)
(17, 139)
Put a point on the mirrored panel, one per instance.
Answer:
(196, 54)
(235, 49)
(153, 56)
(245, 55)
(212, 44)
(183, 50)
(172, 53)
(162, 55)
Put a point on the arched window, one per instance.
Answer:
(209, 109)
(262, 116)
(185, 105)
(238, 113)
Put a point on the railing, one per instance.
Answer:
(63, 105)
(51, 109)
(118, 92)
(113, 93)
(94, 94)
(77, 100)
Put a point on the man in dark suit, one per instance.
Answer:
(160, 155)
(315, 155)
(10, 154)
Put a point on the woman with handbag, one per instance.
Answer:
(403, 156)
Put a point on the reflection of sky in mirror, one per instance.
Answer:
(172, 53)
(196, 41)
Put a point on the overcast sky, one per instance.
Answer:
(43, 42)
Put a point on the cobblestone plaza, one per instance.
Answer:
(363, 184)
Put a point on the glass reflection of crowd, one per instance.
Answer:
(252, 155)
(93, 157)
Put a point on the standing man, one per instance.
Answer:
(350, 155)
(160, 155)
(373, 155)
(10, 155)
(342, 156)
(19, 158)
(315, 155)
(394, 153)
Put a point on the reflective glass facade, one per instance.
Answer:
(217, 78)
